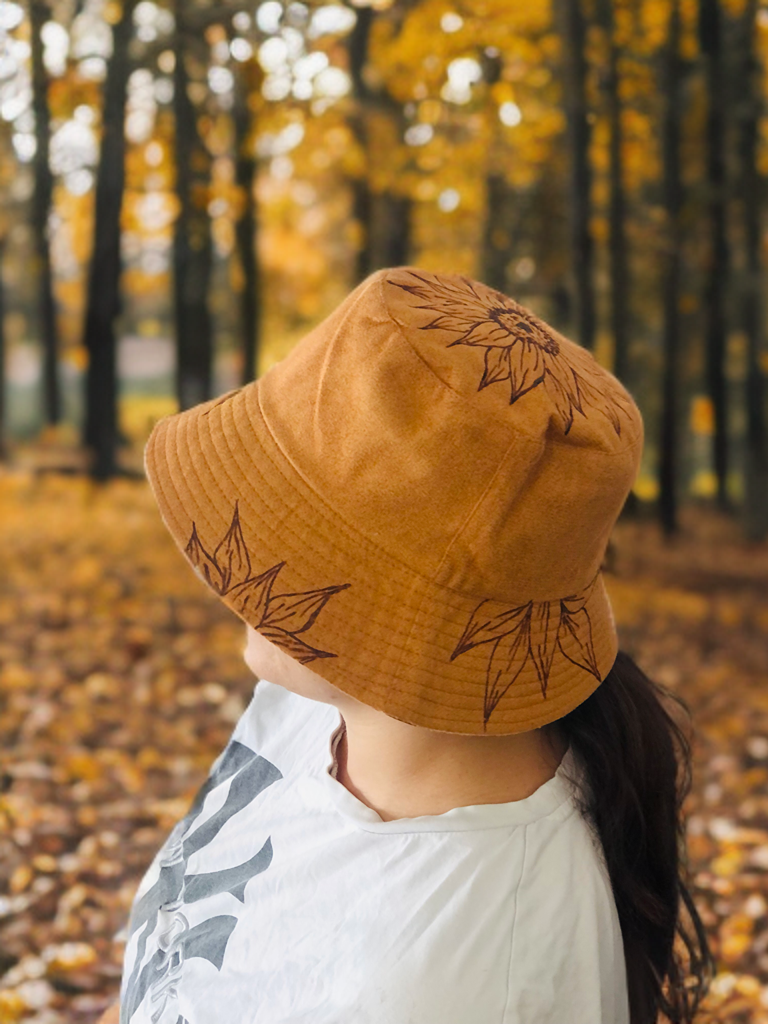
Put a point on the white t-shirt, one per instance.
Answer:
(282, 899)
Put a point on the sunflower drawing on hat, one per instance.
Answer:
(519, 347)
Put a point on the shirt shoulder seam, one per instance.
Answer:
(512, 930)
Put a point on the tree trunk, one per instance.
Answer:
(362, 200)
(100, 434)
(668, 441)
(192, 246)
(710, 40)
(572, 35)
(617, 245)
(3, 441)
(42, 198)
(756, 455)
(496, 235)
(246, 231)
(390, 222)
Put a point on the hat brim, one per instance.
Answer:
(285, 561)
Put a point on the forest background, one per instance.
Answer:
(186, 188)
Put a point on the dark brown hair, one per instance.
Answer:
(636, 761)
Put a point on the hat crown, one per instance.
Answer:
(460, 432)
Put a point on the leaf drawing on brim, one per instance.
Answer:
(231, 555)
(534, 630)
(484, 628)
(254, 594)
(519, 347)
(202, 561)
(579, 626)
(278, 617)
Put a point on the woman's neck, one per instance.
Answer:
(404, 771)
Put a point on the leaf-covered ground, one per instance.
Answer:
(121, 677)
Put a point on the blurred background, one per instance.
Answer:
(186, 189)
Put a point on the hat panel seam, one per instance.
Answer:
(331, 515)
(300, 543)
(356, 536)
(489, 486)
(335, 516)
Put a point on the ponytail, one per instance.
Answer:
(636, 765)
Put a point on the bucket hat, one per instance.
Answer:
(416, 503)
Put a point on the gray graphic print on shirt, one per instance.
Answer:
(160, 912)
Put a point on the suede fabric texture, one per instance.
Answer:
(416, 502)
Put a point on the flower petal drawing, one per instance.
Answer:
(488, 628)
(545, 627)
(280, 617)
(231, 555)
(296, 612)
(519, 347)
(205, 564)
(253, 595)
(579, 627)
(505, 667)
(297, 648)
(536, 630)
(496, 366)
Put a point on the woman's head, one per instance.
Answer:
(416, 500)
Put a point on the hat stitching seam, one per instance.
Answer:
(337, 516)
(569, 674)
(333, 516)
(562, 690)
(446, 634)
(563, 694)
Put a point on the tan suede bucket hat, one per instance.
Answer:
(416, 503)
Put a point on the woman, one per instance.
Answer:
(469, 808)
